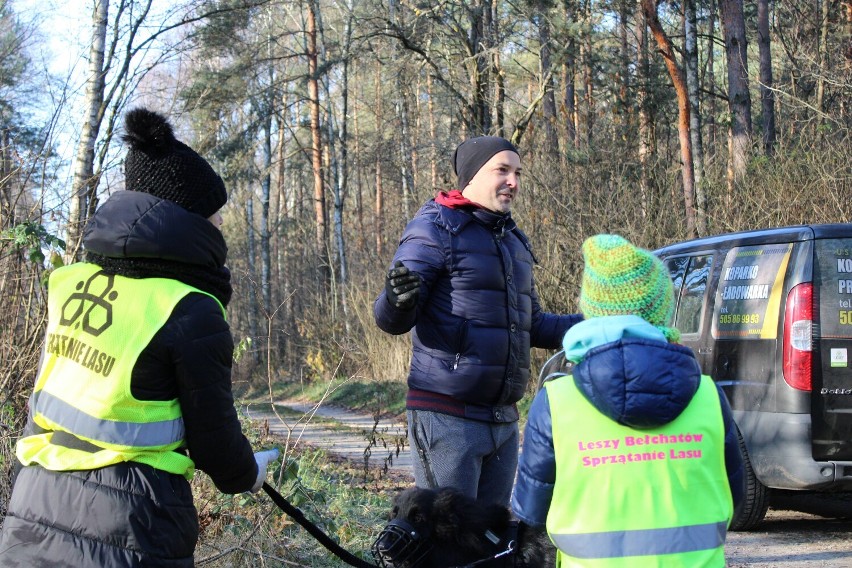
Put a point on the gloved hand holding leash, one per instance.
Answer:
(263, 459)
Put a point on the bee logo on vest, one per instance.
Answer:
(93, 303)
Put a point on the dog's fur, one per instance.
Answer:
(457, 526)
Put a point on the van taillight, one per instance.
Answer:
(798, 325)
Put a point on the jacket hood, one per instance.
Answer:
(132, 224)
(635, 380)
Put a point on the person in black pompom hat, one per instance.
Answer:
(161, 165)
(134, 390)
(462, 279)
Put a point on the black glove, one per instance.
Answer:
(402, 287)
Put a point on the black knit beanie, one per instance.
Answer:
(159, 164)
(473, 153)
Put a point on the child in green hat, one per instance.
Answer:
(633, 459)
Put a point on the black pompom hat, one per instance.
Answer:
(159, 164)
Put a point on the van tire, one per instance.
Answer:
(755, 503)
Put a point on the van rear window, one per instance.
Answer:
(750, 290)
(833, 278)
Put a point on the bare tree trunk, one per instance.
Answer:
(846, 50)
(265, 191)
(433, 138)
(690, 33)
(83, 185)
(342, 170)
(679, 83)
(822, 8)
(586, 62)
(251, 264)
(380, 206)
(406, 166)
(623, 115)
(8, 217)
(500, 98)
(283, 273)
(357, 169)
(767, 96)
(498, 104)
(739, 99)
(479, 49)
(320, 214)
(712, 137)
(551, 140)
(569, 75)
(645, 125)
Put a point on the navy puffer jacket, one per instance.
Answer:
(478, 312)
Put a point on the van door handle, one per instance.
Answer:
(705, 350)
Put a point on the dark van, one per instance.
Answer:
(768, 314)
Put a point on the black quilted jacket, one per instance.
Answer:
(131, 514)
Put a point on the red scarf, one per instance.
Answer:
(454, 199)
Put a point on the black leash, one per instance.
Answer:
(315, 531)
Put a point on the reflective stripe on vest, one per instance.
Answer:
(129, 434)
(643, 542)
(98, 325)
(650, 497)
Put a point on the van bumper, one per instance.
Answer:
(779, 447)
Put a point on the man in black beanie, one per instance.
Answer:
(462, 278)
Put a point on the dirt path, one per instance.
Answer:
(351, 435)
(786, 539)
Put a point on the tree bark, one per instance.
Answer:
(586, 63)
(551, 139)
(739, 99)
(767, 96)
(251, 267)
(569, 75)
(343, 162)
(406, 166)
(498, 124)
(433, 133)
(320, 214)
(679, 83)
(712, 136)
(623, 116)
(83, 184)
(480, 50)
(379, 206)
(690, 34)
(822, 8)
(646, 130)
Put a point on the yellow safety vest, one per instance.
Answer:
(638, 498)
(98, 325)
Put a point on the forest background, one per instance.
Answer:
(332, 121)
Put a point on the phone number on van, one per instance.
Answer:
(749, 318)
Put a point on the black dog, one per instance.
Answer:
(444, 528)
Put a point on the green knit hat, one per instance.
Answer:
(621, 279)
